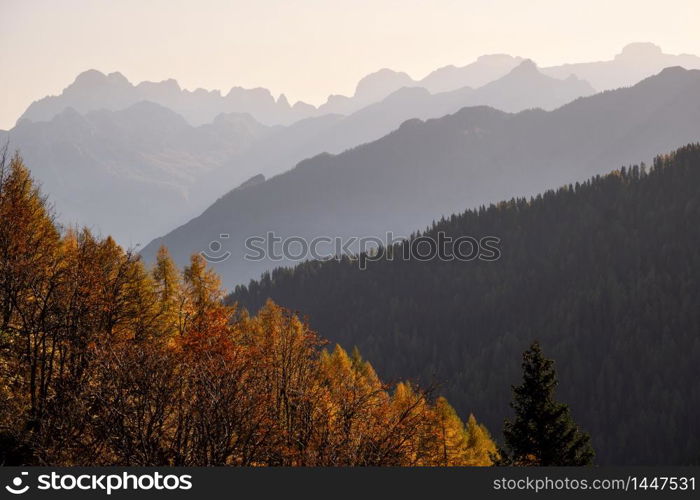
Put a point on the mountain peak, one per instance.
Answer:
(675, 74)
(527, 67)
(147, 113)
(253, 181)
(117, 77)
(89, 78)
(169, 85)
(498, 58)
(93, 78)
(380, 83)
(639, 50)
(303, 107)
(283, 101)
(671, 76)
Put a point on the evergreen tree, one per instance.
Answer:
(543, 431)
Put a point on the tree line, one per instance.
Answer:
(105, 361)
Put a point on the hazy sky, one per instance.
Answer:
(310, 48)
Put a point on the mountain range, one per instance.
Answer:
(93, 90)
(192, 147)
(427, 169)
(635, 62)
(110, 170)
(172, 170)
(597, 261)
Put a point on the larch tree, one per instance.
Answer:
(104, 361)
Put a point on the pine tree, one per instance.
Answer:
(543, 431)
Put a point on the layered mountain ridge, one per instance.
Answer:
(93, 90)
(172, 170)
(427, 169)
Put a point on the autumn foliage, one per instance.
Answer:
(104, 361)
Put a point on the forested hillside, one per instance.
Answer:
(603, 273)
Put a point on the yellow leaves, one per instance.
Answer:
(447, 442)
(203, 285)
(479, 444)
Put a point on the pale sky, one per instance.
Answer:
(308, 49)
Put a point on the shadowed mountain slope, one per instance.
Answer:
(604, 274)
(427, 169)
(138, 172)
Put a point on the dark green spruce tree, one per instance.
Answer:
(543, 432)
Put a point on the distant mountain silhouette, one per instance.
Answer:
(427, 169)
(178, 170)
(522, 88)
(526, 87)
(129, 172)
(253, 181)
(370, 89)
(635, 62)
(482, 71)
(93, 90)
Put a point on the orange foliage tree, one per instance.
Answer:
(106, 362)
